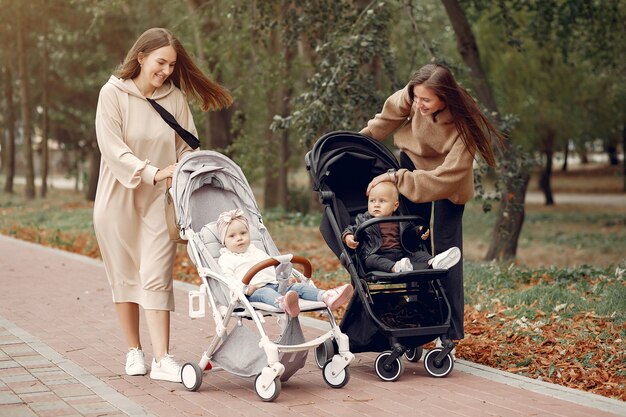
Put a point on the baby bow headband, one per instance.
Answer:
(226, 218)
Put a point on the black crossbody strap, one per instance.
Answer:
(187, 136)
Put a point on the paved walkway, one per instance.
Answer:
(61, 354)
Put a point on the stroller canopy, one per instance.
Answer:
(226, 188)
(342, 164)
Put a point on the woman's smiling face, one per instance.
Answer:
(158, 65)
(426, 100)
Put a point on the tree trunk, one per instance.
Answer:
(8, 150)
(25, 105)
(624, 155)
(217, 124)
(276, 185)
(511, 211)
(611, 151)
(547, 146)
(45, 102)
(565, 156)
(510, 219)
(94, 172)
(544, 179)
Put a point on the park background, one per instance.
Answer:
(545, 288)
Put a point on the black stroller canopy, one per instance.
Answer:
(344, 163)
(357, 156)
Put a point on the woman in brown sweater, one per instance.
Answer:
(439, 129)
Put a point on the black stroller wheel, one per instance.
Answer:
(414, 354)
(324, 352)
(438, 370)
(391, 372)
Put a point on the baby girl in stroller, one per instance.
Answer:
(238, 256)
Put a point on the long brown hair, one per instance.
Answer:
(186, 74)
(475, 129)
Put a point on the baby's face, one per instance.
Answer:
(383, 200)
(237, 237)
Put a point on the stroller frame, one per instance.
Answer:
(341, 151)
(227, 302)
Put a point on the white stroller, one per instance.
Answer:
(206, 183)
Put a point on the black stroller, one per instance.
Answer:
(391, 313)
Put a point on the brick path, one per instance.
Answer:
(61, 354)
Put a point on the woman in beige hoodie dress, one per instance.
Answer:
(139, 152)
(439, 130)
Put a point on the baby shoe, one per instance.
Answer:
(447, 259)
(289, 303)
(403, 265)
(336, 297)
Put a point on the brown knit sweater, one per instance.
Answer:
(444, 165)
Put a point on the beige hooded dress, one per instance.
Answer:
(128, 215)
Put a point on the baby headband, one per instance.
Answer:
(226, 218)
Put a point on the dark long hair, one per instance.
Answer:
(475, 129)
(186, 74)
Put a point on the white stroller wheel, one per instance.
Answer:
(269, 393)
(438, 370)
(414, 354)
(392, 372)
(324, 352)
(338, 380)
(191, 376)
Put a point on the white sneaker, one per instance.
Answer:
(135, 362)
(167, 369)
(447, 259)
(403, 265)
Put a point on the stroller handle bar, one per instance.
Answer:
(388, 219)
(308, 269)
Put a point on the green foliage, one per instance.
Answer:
(339, 92)
(294, 218)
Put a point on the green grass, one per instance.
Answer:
(565, 291)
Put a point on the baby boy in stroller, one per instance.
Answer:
(238, 256)
(383, 249)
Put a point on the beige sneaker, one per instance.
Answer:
(135, 362)
(167, 369)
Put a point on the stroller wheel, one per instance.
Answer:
(269, 393)
(390, 372)
(191, 376)
(324, 352)
(438, 370)
(414, 354)
(338, 380)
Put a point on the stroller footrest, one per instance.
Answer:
(421, 275)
